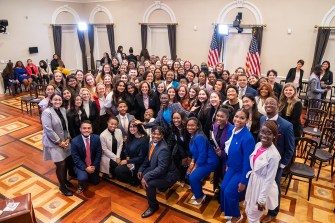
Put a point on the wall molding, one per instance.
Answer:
(157, 5)
(328, 17)
(240, 4)
(99, 8)
(64, 8)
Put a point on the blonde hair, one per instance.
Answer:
(283, 100)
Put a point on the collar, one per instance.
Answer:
(123, 116)
(274, 118)
(84, 138)
(240, 88)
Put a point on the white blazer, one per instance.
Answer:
(106, 144)
(262, 187)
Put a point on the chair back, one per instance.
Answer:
(327, 137)
(305, 144)
(329, 123)
(39, 89)
(315, 118)
(332, 94)
(318, 103)
(282, 82)
(304, 89)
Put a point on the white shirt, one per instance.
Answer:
(296, 79)
(84, 139)
(109, 100)
(122, 119)
(102, 106)
(228, 142)
(86, 107)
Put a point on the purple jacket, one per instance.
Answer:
(223, 137)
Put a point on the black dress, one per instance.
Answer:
(294, 118)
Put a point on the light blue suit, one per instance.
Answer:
(241, 147)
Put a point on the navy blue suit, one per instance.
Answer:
(241, 147)
(285, 147)
(78, 152)
(250, 90)
(159, 172)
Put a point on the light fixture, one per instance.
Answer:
(223, 29)
(82, 26)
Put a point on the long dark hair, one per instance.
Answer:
(117, 96)
(256, 116)
(44, 65)
(174, 129)
(140, 129)
(73, 102)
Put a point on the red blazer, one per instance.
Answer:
(29, 69)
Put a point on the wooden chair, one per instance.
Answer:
(332, 95)
(318, 103)
(301, 169)
(282, 82)
(314, 122)
(331, 110)
(26, 99)
(303, 92)
(39, 89)
(318, 154)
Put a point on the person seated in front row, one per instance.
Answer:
(86, 154)
(158, 170)
(136, 149)
(111, 143)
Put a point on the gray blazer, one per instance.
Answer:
(314, 87)
(120, 126)
(52, 133)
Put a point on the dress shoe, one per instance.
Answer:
(65, 191)
(68, 184)
(149, 212)
(199, 203)
(267, 219)
(80, 189)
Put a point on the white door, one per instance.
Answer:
(71, 53)
(235, 50)
(158, 41)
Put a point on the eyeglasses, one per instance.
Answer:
(266, 133)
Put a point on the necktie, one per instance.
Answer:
(124, 123)
(241, 93)
(151, 150)
(88, 152)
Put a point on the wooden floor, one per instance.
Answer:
(22, 170)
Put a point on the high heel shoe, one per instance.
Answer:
(199, 203)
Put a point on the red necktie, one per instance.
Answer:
(88, 152)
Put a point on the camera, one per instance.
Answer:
(3, 25)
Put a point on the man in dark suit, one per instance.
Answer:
(157, 171)
(243, 87)
(123, 117)
(285, 145)
(86, 154)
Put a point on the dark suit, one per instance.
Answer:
(285, 147)
(139, 105)
(78, 151)
(327, 78)
(158, 172)
(291, 76)
(250, 90)
(93, 116)
(277, 88)
(120, 126)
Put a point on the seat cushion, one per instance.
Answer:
(317, 140)
(302, 170)
(310, 131)
(321, 155)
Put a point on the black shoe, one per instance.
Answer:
(68, 184)
(149, 212)
(65, 191)
(80, 189)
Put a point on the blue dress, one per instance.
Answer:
(240, 148)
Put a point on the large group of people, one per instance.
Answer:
(151, 121)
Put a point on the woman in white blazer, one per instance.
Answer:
(111, 143)
(262, 191)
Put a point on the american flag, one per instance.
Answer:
(253, 63)
(213, 54)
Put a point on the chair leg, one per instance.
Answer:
(21, 106)
(309, 187)
(289, 181)
(319, 171)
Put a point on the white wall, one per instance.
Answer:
(279, 50)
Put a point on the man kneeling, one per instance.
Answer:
(158, 170)
(86, 154)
